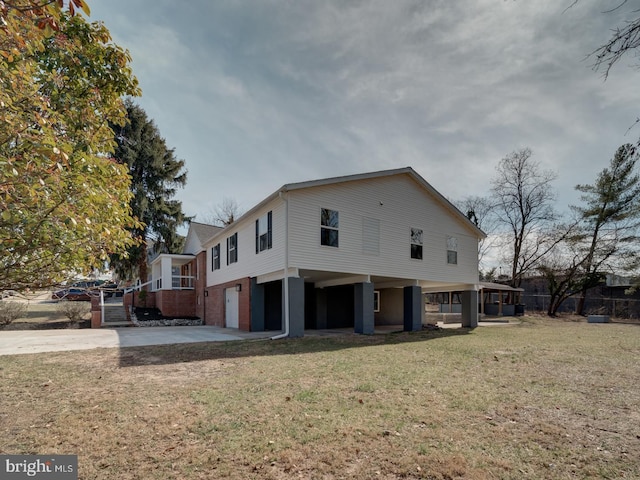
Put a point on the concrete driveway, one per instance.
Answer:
(14, 342)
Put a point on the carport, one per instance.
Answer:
(327, 300)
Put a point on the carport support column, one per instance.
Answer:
(413, 309)
(470, 308)
(363, 308)
(296, 306)
(257, 306)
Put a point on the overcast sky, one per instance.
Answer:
(256, 94)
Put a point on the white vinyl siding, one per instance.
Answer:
(370, 236)
(399, 203)
(249, 263)
(375, 221)
(192, 244)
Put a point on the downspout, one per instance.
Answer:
(286, 269)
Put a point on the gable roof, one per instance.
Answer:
(202, 232)
(366, 176)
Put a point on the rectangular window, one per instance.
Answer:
(416, 243)
(376, 300)
(452, 250)
(329, 227)
(264, 232)
(215, 258)
(232, 249)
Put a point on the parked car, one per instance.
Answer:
(73, 294)
(87, 283)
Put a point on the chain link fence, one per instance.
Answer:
(594, 305)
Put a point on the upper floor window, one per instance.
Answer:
(215, 257)
(263, 232)
(416, 243)
(232, 249)
(329, 227)
(452, 250)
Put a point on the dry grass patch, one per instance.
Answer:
(51, 315)
(546, 399)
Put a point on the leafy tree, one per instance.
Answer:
(155, 174)
(523, 199)
(64, 204)
(611, 217)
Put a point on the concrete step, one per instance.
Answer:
(114, 313)
(117, 324)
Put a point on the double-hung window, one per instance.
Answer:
(329, 225)
(452, 250)
(264, 230)
(416, 243)
(215, 258)
(232, 249)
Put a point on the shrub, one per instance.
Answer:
(9, 311)
(142, 298)
(74, 311)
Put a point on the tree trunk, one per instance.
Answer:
(142, 265)
(581, 301)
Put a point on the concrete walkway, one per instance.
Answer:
(14, 342)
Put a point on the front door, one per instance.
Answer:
(231, 308)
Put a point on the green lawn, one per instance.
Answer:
(546, 399)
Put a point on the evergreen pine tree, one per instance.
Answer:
(155, 176)
(611, 216)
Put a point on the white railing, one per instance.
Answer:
(136, 287)
(178, 282)
(182, 282)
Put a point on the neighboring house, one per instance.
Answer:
(353, 251)
(178, 279)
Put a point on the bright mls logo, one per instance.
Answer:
(49, 467)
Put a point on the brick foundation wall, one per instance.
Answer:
(150, 302)
(200, 272)
(96, 313)
(127, 299)
(215, 305)
(176, 303)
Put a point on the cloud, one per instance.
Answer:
(257, 94)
